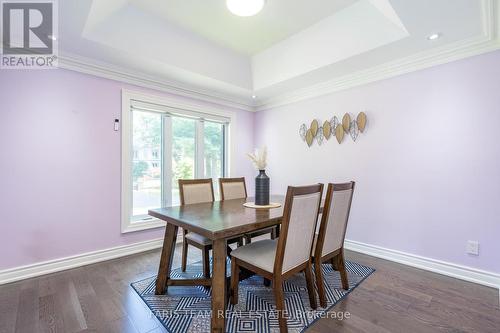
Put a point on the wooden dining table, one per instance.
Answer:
(218, 221)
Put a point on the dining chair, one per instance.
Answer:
(235, 188)
(232, 188)
(278, 260)
(193, 191)
(329, 242)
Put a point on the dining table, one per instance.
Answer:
(218, 221)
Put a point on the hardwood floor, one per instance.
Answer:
(98, 297)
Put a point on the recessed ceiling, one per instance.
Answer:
(278, 20)
(290, 46)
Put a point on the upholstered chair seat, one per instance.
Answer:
(192, 236)
(260, 254)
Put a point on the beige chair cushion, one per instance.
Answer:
(197, 193)
(337, 221)
(260, 254)
(233, 190)
(301, 230)
(192, 236)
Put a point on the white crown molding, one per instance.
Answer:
(489, 41)
(441, 267)
(388, 70)
(92, 67)
(57, 265)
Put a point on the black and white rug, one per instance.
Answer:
(187, 309)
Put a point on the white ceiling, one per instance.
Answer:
(248, 35)
(290, 46)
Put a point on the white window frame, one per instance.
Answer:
(181, 108)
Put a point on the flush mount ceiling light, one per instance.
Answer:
(433, 36)
(245, 7)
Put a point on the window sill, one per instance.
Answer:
(143, 225)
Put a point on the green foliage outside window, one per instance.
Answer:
(139, 169)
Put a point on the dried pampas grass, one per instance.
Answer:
(259, 158)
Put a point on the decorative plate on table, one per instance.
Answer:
(253, 205)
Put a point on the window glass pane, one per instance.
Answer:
(146, 162)
(214, 152)
(183, 153)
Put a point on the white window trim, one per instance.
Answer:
(127, 225)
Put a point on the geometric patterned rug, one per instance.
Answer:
(187, 309)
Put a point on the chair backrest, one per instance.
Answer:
(298, 227)
(194, 191)
(232, 188)
(333, 224)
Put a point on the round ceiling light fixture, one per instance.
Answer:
(434, 36)
(245, 7)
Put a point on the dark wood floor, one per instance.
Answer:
(396, 298)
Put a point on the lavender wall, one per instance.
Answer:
(427, 168)
(60, 165)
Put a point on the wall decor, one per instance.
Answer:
(361, 120)
(314, 127)
(320, 136)
(303, 131)
(354, 131)
(309, 137)
(327, 130)
(339, 133)
(333, 127)
(346, 122)
(333, 123)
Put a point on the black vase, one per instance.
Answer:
(262, 189)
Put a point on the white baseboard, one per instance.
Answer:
(460, 272)
(52, 266)
(445, 268)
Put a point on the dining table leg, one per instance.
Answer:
(219, 285)
(166, 259)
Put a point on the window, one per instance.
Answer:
(146, 173)
(213, 154)
(163, 143)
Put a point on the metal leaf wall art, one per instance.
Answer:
(303, 131)
(320, 136)
(333, 128)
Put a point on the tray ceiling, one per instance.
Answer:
(291, 45)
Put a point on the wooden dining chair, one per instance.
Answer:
(232, 188)
(329, 244)
(235, 188)
(193, 191)
(278, 260)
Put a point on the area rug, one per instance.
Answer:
(187, 309)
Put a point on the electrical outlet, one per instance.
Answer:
(473, 247)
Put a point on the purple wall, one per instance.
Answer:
(427, 168)
(60, 165)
